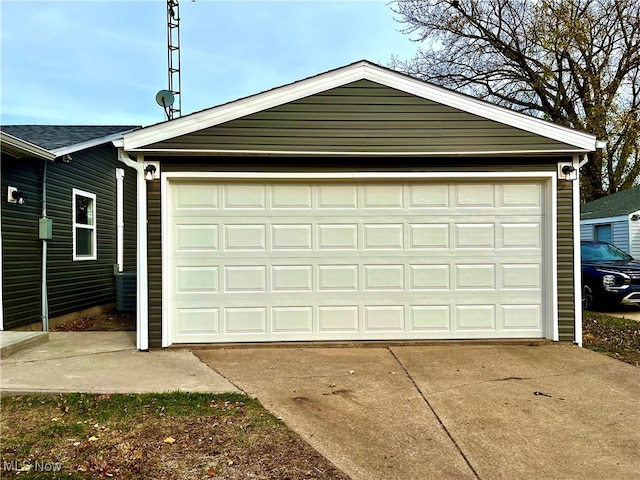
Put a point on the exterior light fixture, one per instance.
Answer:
(15, 196)
(567, 171)
(149, 172)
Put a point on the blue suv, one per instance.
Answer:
(609, 276)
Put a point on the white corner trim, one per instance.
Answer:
(577, 261)
(142, 300)
(550, 276)
(167, 320)
(554, 319)
(342, 76)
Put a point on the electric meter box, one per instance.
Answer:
(45, 228)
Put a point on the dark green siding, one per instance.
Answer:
(566, 290)
(130, 220)
(72, 285)
(362, 116)
(21, 249)
(154, 241)
(76, 285)
(204, 164)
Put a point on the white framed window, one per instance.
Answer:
(84, 226)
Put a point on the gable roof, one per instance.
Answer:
(575, 141)
(61, 140)
(620, 203)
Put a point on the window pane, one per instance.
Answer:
(84, 242)
(84, 210)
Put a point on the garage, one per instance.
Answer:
(357, 204)
(367, 260)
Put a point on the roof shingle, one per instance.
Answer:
(620, 203)
(51, 137)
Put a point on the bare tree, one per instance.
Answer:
(573, 62)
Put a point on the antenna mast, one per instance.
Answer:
(173, 44)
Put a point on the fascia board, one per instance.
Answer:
(25, 148)
(360, 71)
(243, 107)
(329, 153)
(483, 109)
(595, 221)
(59, 152)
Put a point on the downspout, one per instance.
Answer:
(120, 218)
(142, 297)
(45, 299)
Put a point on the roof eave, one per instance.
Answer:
(21, 148)
(59, 152)
(325, 153)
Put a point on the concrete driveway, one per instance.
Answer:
(451, 411)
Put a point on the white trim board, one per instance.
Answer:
(362, 70)
(549, 179)
(307, 153)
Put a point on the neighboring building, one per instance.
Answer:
(359, 204)
(76, 171)
(614, 219)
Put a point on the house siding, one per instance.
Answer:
(361, 116)
(130, 220)
(279, 164)
(76, 285)
(21, 249)
(154, 255)
(620, 230)
(71, 285)
(566, 288)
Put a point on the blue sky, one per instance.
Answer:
(102, 62)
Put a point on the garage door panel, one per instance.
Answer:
(521, 235)
(245, 197)
(475, 317)
(293, 320)
(269, 262)
(521, 196)
(195, 196)
(473, 196)
(475, 235)
(291, 196)
(520, 316)
(194, 321)
(245, 237)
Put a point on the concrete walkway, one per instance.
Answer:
(451, 411)
(632, 313)
(14, 342)
(104, 362)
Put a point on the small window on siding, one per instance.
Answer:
(84, 226)
(603, 233)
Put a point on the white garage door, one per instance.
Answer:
(346, 261)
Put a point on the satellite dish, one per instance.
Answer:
(164, 98)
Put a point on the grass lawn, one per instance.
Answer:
(155, 436)
(613, 336)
